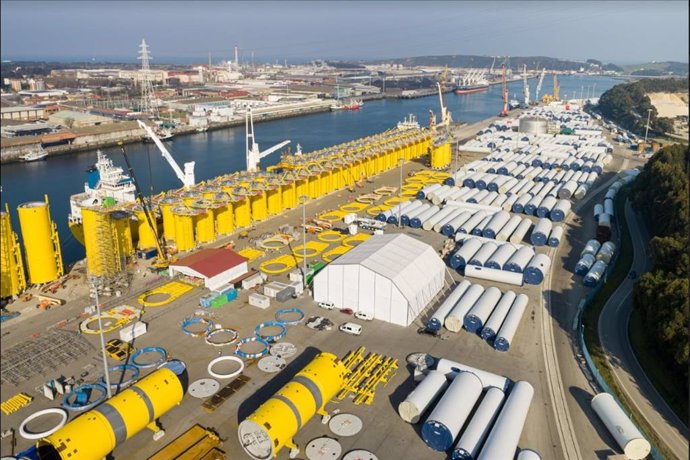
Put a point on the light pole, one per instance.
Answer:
(402, 162)
(304, 199)
(100, 328)
(646, 131)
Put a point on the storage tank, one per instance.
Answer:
(481, 256)
(509, 202)
(455, 318)
(496, 223)
(483, 181)
(416, 221)
(97, 432)
(439, 316)
(533, 125)
(518, 262)
(591, 247)
(545, 206)
(567, 190)
(422, 397)
(594, 274)
(501, 256)
(540, 234)
(489, 199)
(422, 194)
(428, 224)
(531, 206)
(477, 430)
(510, 226)
(476, 198)
(555, 236)
(560, 211)
(580, 192)
(503, 439)
(472, 223)
(493, 324)
(606, 252)
(463, 255)
(508, 185)
(506, 333)
(445, 421)
(450, 224)
(184, 228)
(536, 269)
(269, 428)
(480, 311)
(452, 369)
(584, 264)
(41, 242)
(414, 212)
(491, 274)
(400, 210)
(519, 206)
(623, 430)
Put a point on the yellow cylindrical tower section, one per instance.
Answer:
(184, 228)
(41, 242)
(225, 224)
(103, 257)
(96, 433)
(273, 425)
(167, 205)
(440, 156)
(204, 222)
(258, 205)
(243, 215)
(288, 195)
(301, 187)
(123, 231)
(147, 235)
(275, 204)
(12, 279)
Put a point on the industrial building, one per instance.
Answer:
(217, 267)
(392, 277)
(73, 119)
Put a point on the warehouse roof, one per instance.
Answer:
(211, 262)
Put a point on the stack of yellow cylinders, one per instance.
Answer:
(147, 235)
(167, 205)
(440, 156)
(12, 279)
(96, 433)
(243, 216)
(123, 231)
(41, 242)
(101, 242)
(273, 425)
(184, 228)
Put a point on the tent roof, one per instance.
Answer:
(409, 263)
(211, 262)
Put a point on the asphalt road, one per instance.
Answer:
(613, 334)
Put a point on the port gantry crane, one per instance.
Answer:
(187, 176)
(539, 84)
(525, 88)
(254, 155)
(504, 87)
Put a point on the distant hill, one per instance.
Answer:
(654, 69)
(517, 62)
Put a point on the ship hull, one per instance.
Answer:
(468, 90)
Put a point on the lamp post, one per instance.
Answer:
(100, 333)
(402, 162)
(646, 131)
(304, 199)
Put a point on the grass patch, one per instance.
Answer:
(590, 320)
(662, 377)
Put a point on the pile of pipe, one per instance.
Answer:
(604, 212)
(594, 259)
(503, 262)
(492, 410)
(494, 315)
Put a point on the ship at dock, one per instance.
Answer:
(473, 82)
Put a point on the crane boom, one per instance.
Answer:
(254, 155)
(525, 87)
(186, 177)
(540, 83)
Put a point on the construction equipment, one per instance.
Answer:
(504, 89)
(254, 155)
(186, 177)
(119, 350)
(539, 84)
(162, 261)
(525, 89)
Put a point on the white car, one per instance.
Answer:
(364, 316)
(351, 328)
(327, 305)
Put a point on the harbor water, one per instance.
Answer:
(220, 152)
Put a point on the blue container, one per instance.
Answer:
(392, 220)
(437, 436)
(542, 212)
(231, 295)
(557, 215)
(468, 182)
(501, 344)
(472, 323)
(447, 230)
(533, 275)
(487, 333)
(449, 181)
(415, 222)
(538, 239)
(518, 208)
(404, 220)
(480, 184)
(381, 217)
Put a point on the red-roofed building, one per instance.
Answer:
(216, 267)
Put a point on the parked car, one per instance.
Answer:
(351, 328)
(364, 316)
(327, 305)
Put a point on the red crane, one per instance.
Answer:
(504, 112)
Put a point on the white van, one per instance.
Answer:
(364, 316)
(327, 305)
(351, 328)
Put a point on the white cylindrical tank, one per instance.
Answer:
(408, 216)
(521, 202)
(584, 264)
(626, 434)
(598, 209)
(608, 207)
(452, 368)
(419, 400)
(472, 222)
(500, 199)
(445, 421)
(501, 256)
(491, 274)
(580, 192)
(591, 247)
(455, 318)
(521, 231)
(531, 207)
(479, 313)
(429, 223)
(518, 262)
(540, 234)
(417, 204)
(472, 438)
(496, 223)
(505, 335)
(483, 254)
(591, 178)
(478, 196)
(554, 191)
(567, 190)
(477, 231)
(462, 256)
(505, 435)
(536, 270)
(508, 228)
(426, 190)
(508, 185)
(509, 202)
(545, 206)
(416, 221)
(528, 454)
(606, 252)
(455, 212)
(493, 324)
(594, 274)
(454, 224)
(560, 211)
(489, 199)
(439, 316)
(555, 236)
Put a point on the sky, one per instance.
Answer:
(621, 32)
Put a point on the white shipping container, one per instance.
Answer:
(258, 300)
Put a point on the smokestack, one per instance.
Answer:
(237, 57)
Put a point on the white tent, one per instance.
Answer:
(392, 277)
